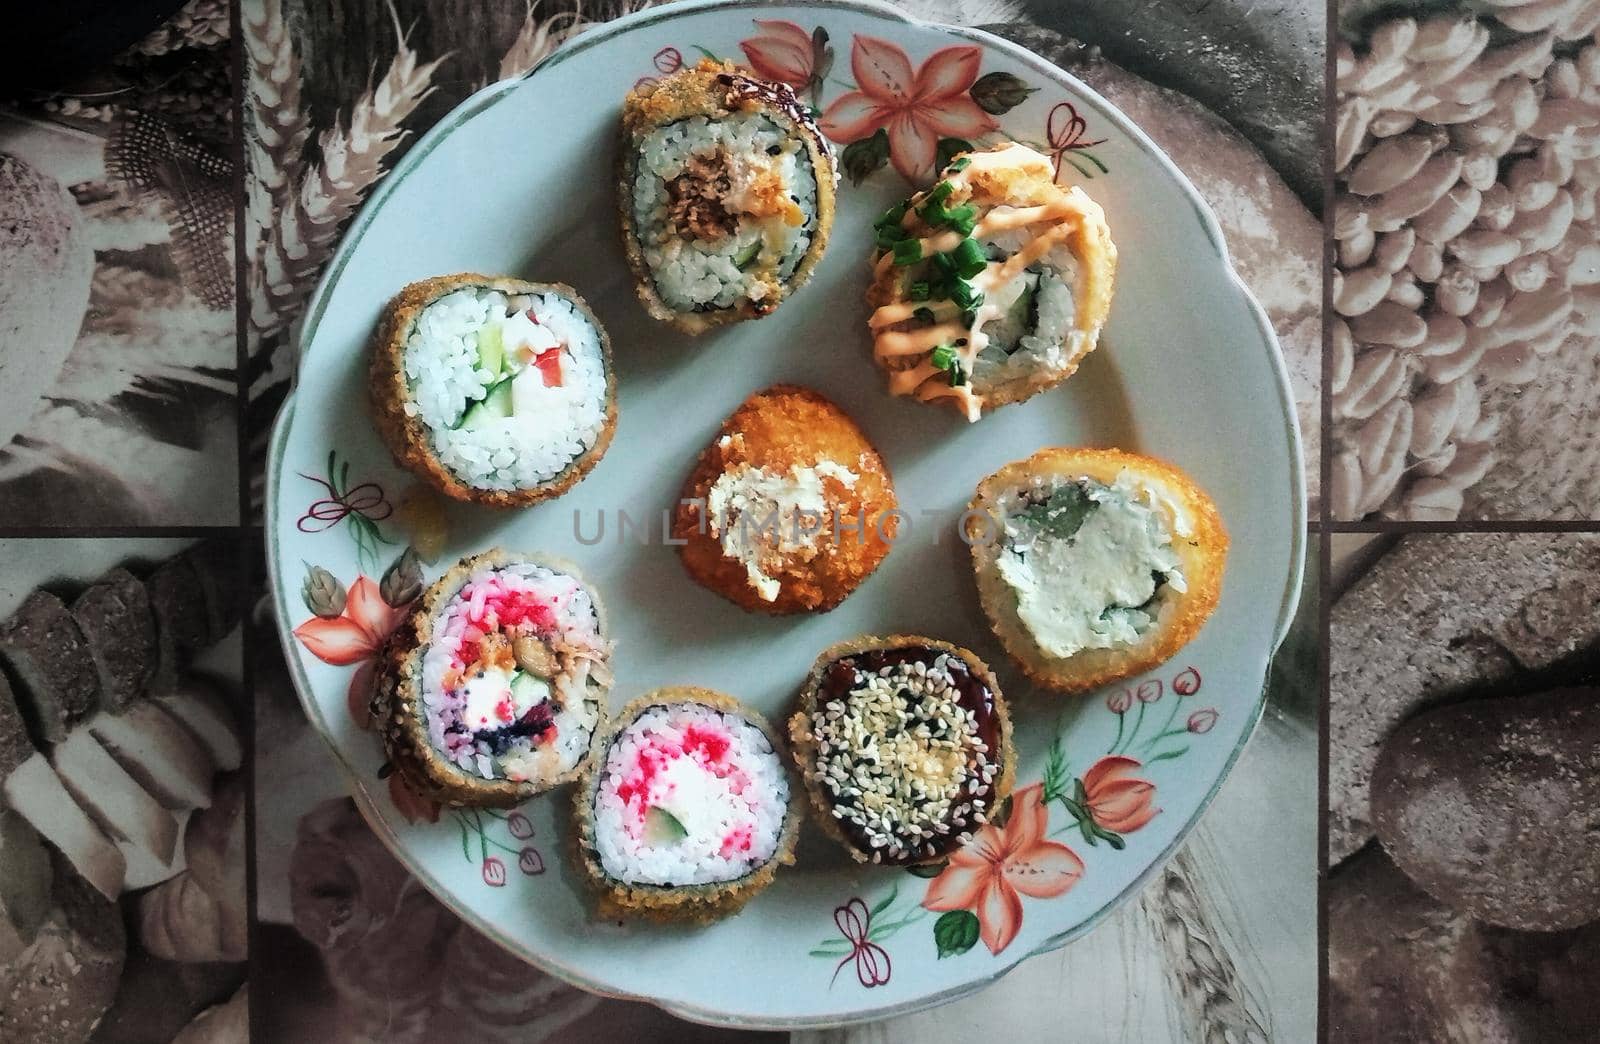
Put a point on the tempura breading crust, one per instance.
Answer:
(788, 425)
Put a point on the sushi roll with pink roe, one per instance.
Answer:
(492, 689)
(686, 810)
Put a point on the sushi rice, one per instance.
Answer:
(694, 273)
(558, 403)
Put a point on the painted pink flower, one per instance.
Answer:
(409, 803)
(668, 60)
(1149, 691)
(916, 107)
(530, 862)
(520, 826)
(1187, 683)
(1200, 721)
(993, 871)
(781, 51)
(1115, 798)
(494, 872)
(357, 633)
(1119, 702)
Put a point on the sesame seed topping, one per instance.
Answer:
(901, 759)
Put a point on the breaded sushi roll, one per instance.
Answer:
(492, 689)
(990, 286)
(789, 509)
(492, 389)
(904, 744)
(685, 811)
(726, 189)
(1094, 565)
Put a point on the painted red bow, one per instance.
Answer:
(1065, 129)
(854, 922)
(366, 500)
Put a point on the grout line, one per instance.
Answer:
(248, 537)
(1389, 526)
(1325, 513)
(113, 532)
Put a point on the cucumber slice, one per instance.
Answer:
(747, 254)
(491, 350)
(495, 406)
(1023, 315)
(527, 689)
(662, 827)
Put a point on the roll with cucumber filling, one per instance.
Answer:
(686, 811)
(1094, 565)
(726, 192)
(492, 689)
(990, 286)
(492, 389)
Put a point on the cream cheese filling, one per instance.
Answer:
(1088, 568)
(762, 516)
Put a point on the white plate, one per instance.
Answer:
(517, 180)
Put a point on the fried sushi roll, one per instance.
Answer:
(990, 286)
(492, 688)
(726, 189)
(492, 389)
(685, 811)
(789, 509)
(904, 744)
(1094, 565)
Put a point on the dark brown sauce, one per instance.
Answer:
(839, 678)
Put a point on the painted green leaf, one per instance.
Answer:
(861, 159)
(948, 149)
(998, 93)
(955, 932)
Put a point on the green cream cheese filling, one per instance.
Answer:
(1089, 563)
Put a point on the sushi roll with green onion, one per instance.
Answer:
(491, 690)
(990, 286)
(685, 811)
(491, 389)
(726, 190)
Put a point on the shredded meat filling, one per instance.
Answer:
(696, 207)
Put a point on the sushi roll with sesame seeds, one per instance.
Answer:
(491, 690)
(905, 746)
(990, 286)
(726, 190)
(493, 390)
(685, 811)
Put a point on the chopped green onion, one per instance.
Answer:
(925, 314)
(892, 217)
(888, 237)
(908, 251)
(958, 374)
(965, 295)
(959, 164)
(918, 291)
(943, 357)
(969, 318)
(945, 264)
(939, 193)
(968, 258)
